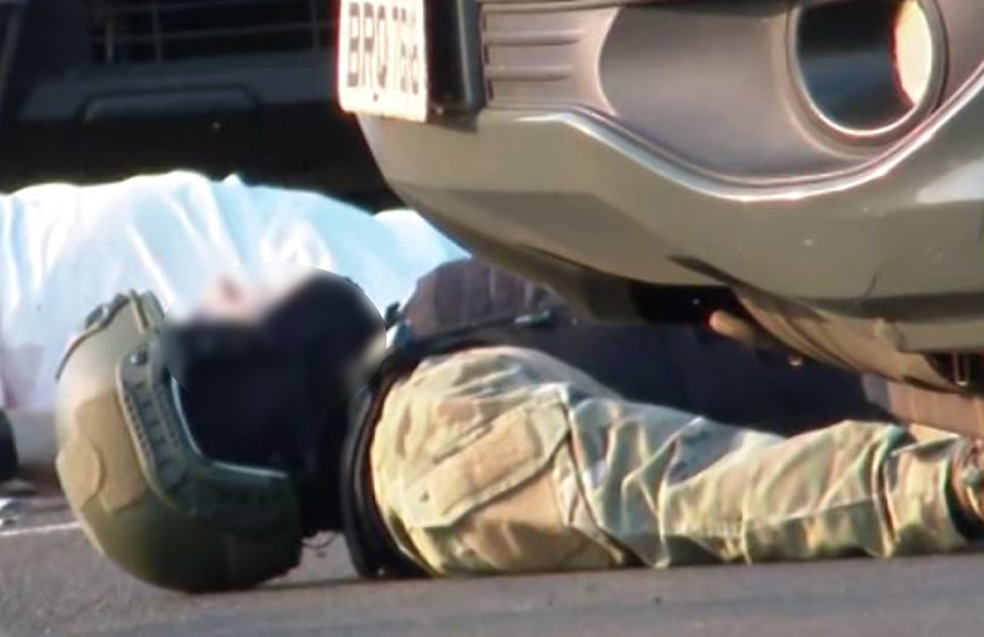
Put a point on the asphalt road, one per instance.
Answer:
(52, 582)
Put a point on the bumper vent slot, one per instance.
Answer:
(543, 56)
(153, 31)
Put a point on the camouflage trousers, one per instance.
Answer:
(503, 460)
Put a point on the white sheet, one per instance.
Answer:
(64, 249)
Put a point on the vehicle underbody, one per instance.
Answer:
(666, 160)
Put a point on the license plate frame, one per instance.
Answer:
(382, 58)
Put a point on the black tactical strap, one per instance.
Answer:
(373, 552)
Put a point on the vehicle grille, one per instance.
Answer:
(10, 20)
(6, 19)
(148, 31)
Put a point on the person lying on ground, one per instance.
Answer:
(499, 434)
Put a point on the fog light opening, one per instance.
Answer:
(869, 68)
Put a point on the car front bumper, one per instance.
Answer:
(569, 192)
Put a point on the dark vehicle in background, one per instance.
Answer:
(96, 90)
(813, 167)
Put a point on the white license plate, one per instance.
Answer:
(382, 58)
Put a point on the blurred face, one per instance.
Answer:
(265, 361)
(244, 299)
